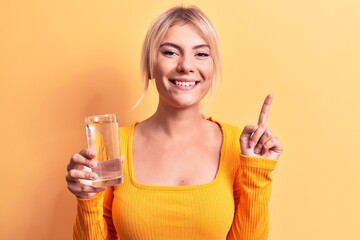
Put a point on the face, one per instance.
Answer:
(184, 67)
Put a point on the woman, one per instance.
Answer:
(186, 176)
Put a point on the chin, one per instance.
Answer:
(186, 104)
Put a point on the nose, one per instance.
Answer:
(185, 64)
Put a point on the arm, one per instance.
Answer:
(252, 189)
(89, 221)
(260, 150)
(94, 205)
(94, 217)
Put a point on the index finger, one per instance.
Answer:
(265, 109)
(82, 158)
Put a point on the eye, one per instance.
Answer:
(169, 53)
(202, 55)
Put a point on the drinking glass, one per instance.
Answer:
(102, 133)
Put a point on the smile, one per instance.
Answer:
(184, 84)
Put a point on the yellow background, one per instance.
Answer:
(62, 60)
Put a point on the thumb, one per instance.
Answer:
(248, 131)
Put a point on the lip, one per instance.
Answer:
(184, 79)
(184, 83)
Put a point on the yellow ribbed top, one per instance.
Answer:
(232, 206)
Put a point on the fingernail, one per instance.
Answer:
(91, 164)
(92, 153)
(251, 143)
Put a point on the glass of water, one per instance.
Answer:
(102, 133)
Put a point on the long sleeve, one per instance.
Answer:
(94, 218)
(233, 206)
(252, 190)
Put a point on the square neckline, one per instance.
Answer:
(136, 183)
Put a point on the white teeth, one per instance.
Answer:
(185, 84)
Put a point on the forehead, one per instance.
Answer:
(185, 33)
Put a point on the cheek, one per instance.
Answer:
(162, 68)
(207, 70)
(158, 71)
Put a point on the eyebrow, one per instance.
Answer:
(178, 47)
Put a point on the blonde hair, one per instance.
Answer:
(157, 31)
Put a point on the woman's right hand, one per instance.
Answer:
(77, 171)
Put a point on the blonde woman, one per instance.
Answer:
(185, 176)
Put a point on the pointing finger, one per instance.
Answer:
(265, 109)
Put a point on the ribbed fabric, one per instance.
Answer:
(232, 206)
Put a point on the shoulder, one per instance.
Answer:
(230, 135)
(228, 130)
(127, 131)
(230, 149)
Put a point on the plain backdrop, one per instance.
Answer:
(63, 60)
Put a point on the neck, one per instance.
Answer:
(175, 122)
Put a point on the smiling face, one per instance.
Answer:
(184, 68)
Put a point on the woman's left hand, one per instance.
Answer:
(258, 140)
